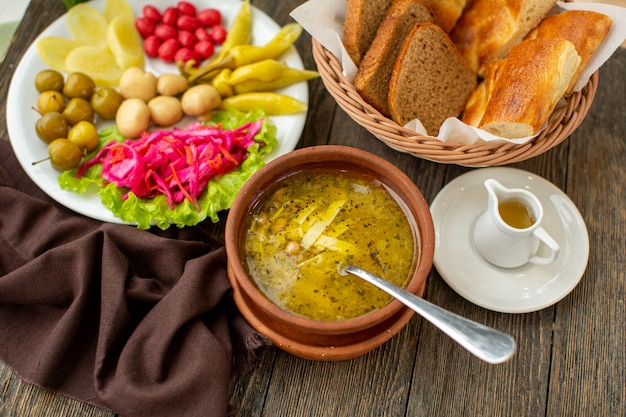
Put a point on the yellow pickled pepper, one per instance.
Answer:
(240, 31)
(248, 54)
(222, 84)
(273, 104)
(245, 54)
(267, 75)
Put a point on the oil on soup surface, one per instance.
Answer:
(313, 223)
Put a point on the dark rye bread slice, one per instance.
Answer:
(362, 20)
(372, 78)
(429, 80)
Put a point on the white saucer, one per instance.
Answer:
(518, 290)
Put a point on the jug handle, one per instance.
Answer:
(554, 247)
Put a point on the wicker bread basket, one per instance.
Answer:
(561, 124)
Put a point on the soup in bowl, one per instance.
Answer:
(299, 221)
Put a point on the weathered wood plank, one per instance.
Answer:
(589, 355)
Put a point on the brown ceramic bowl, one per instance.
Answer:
(318, 339)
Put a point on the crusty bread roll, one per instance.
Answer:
(584, 28)
(360, 25)
(477, 103)
(535, 75)
(446, 12)
(372, 78)
(429, 80)
(488, 29)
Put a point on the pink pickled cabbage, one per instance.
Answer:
(177, 163)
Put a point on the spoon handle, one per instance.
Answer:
(486, 343)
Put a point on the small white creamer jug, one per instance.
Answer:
(508, 233)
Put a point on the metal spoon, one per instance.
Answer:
(486, 343)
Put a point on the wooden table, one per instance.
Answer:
(571, 357)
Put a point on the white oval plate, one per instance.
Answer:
(517, 290)
(22, 97)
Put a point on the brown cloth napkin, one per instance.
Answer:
(134, 321)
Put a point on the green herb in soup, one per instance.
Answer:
(313, 224)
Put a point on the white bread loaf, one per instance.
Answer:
(374, 73)
(429, 80)
(446, 12)
(584, 28)
(534, 77)
(477, 103)
(360, 25)
(488, 29)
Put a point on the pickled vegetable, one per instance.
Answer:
(105, 102)
(80, 85)
(273, 104)
(64, 154)
(49, 80)
(267, 75)
(240, 55)
(87, 24)
(52, 125)
(125, 43)
(99, 64)
(240, 33)
(78, 109)
(165, 110)
(284, 39)
(84, 135)
(50, 101)
(53, 51)
(118, 8)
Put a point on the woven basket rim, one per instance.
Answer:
(561, 124)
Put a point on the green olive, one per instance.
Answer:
(49, 79)
(84, 135)
(51, 126)
(78, 109)
(50, 101)
(79, 85)
(105, 102)
(64, 154)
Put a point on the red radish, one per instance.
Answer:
(186, 8)
(151, 46)
(170, 16)
(168, 49)
(218, 33)
(181, 32)
(152, 13)
(210, 17)
(202, 35)
(204, 49)
(166, 32)
(186, 54)
(187, 39)
(189, 23)
(144, 26)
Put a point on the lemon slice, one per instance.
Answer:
(114, 8)
(125, 43)
(53, 51)
(98, 63)
(87, 24)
